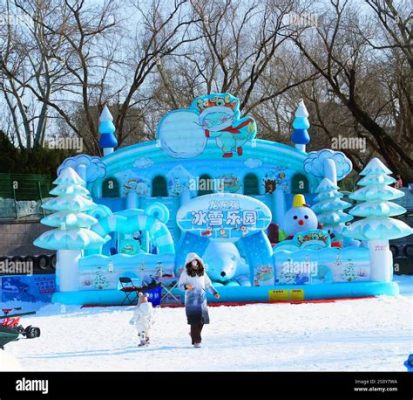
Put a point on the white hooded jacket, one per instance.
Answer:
(198, 282)
(143, 317)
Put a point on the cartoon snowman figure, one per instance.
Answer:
(300, 217)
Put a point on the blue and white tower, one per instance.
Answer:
(300, 136)
(108, 140)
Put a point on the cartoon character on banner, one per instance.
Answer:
(275, 178)
(264, 276)
(184, 133)
(220, 117)
(231, 183)
(138, 185)
(270, 185)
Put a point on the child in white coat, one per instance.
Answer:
(143, 318)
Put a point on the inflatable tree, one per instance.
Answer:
(300, 136)
(329, 207)
(378, 227)
(72, 233)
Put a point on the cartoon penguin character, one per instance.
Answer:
(300, 217)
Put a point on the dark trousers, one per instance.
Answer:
(196, 333)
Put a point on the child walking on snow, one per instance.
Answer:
(143, 318)
(195, 281)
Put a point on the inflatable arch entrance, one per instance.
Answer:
(137, 220)
(228, 218)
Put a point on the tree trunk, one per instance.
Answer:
(381, 260)
(67, 270)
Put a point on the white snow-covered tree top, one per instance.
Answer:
(334, 218)
(69, 219)
(105, 115)
(328, 196)
(69, 176)
(326, 185)
(69, 190)
(330, 205)
(376, 192)
(70, 203)
(377, 209)
(301, 110)
(378, 229)
(374, 167)
(70, 239)
(376, 179)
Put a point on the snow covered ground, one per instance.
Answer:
(8, 362)
(350, 335)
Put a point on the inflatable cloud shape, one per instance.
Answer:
(95, 168)
(314, 163)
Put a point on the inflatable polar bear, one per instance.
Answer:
(225, 266)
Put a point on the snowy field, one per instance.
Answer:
(350, 335)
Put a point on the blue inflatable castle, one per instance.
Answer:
(268, 219)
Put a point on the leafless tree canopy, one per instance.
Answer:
(351, 61)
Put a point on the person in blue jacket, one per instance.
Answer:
(194, 281)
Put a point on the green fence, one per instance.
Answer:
(19, 191)
(24, 186)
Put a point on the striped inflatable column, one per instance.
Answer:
(278, 207)
(158, 232)
(161, 236)
(259, 256)
(112, 223)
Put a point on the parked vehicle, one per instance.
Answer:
(11, 329)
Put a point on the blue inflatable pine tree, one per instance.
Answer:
(301, 124)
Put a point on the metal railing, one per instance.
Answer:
(21, 195)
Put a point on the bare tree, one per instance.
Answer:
(397, 24)
(342, 56)
(164, 29)
(26, 64)
(243, 50)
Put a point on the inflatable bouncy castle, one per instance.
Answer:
(268, 219)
